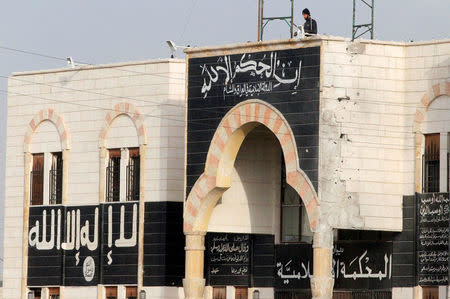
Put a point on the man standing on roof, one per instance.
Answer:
(310, 25)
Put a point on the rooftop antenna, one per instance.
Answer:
(173, 47)
(263, 21)
(368, 27)
(70, 62)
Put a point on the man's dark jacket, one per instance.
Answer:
(310, 26)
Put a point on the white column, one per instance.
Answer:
(230, 292)
(121, 292)
(44, 293)
(208, 294)
(443, 179)
(322, 282)
(123, 173)
(46, 174)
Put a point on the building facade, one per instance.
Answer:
(318, 165)
(279, 169)
(95, 183)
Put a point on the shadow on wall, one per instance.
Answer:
(254, 196)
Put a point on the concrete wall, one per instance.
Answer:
(370, 92)
(252, 204)
(83, 98)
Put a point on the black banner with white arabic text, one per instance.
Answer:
(228, 259)
(83, 245)
(433, 230)
(287, 79)
(356, 265)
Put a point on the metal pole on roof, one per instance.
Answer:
(263, 21)
(364, 27)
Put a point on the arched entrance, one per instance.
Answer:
(216, 179)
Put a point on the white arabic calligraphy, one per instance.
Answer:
(275, 71)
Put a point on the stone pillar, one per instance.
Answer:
(102, 175)
(26, 203)
(194, 282)
(142, 151)
(322, 281)
(65, 175)
(418, 293)
(419, 141)
(124, 156)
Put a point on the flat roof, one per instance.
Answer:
(305, 41)
(98, 66)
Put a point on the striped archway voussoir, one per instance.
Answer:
(248, 112)
(52, 116)
(124, 109)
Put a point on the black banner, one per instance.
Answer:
(228, 259)
(356, 265)
(286, 79)
(362, 265)
(164, 243)
(67, 245)
(80, 245)
(433, 238)
(119, 243)
(293, 266)
(45, 257)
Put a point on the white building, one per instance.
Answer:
(80, 125)
(280, 150)
(360, 125)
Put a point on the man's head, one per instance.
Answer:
(306, 13)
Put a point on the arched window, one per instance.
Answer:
(435, 158)
(46, 177)
(123, 162)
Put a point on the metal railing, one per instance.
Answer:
(430, 173)
(55, 186)
(133, 178)
(112, 183)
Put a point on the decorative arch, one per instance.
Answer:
(437, 90)
(224, 147)
(52, 116)
(133, 113)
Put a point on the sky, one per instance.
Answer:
(106, 31)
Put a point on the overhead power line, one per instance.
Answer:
(84, 65)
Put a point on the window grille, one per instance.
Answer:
(113, 179)
(133, 178)
(55, 188)
(430, 163)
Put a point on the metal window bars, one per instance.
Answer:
(430, 172)
(55, 186)
(133, 178)
(113, 180)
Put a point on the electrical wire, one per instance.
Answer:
(91, 92)
(194, 4)
(120, 68)
(214, 127)
(208, 110)
(84, 65)
(340, 125)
